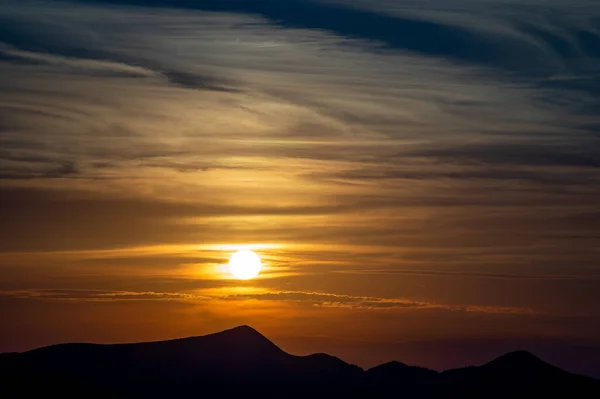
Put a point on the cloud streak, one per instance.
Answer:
(316, 299)
(98, 295)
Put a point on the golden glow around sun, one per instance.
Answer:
(245, 265)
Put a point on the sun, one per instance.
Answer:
(245, 265)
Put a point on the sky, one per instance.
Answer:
(420, 178)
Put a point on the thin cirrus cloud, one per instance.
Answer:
(326, 300)
(472, 104)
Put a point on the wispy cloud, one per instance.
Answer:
(317, 299)
(98, 295)
(328, 300)
(94, 67)
(477, 275)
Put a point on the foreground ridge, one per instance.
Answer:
(243, 361)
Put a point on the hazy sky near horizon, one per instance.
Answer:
(407, 170)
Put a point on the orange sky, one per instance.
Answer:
(397, 196)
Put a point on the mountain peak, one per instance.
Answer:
(244, 331)
(396, 364)
(244, 336)
(395, 371)
(393, 366)
(521, 357)
(520, 361)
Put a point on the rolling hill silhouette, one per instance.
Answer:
(242, 361)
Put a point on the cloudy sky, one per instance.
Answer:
(420, 178)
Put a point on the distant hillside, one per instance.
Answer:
(242, 361)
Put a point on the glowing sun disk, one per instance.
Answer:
(245, 265)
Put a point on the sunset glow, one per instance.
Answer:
(366, 178)
(245, 265)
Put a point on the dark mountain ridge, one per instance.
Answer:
(243, 361)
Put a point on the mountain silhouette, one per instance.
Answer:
(517, 374)
(243, 361)
(400, 371)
